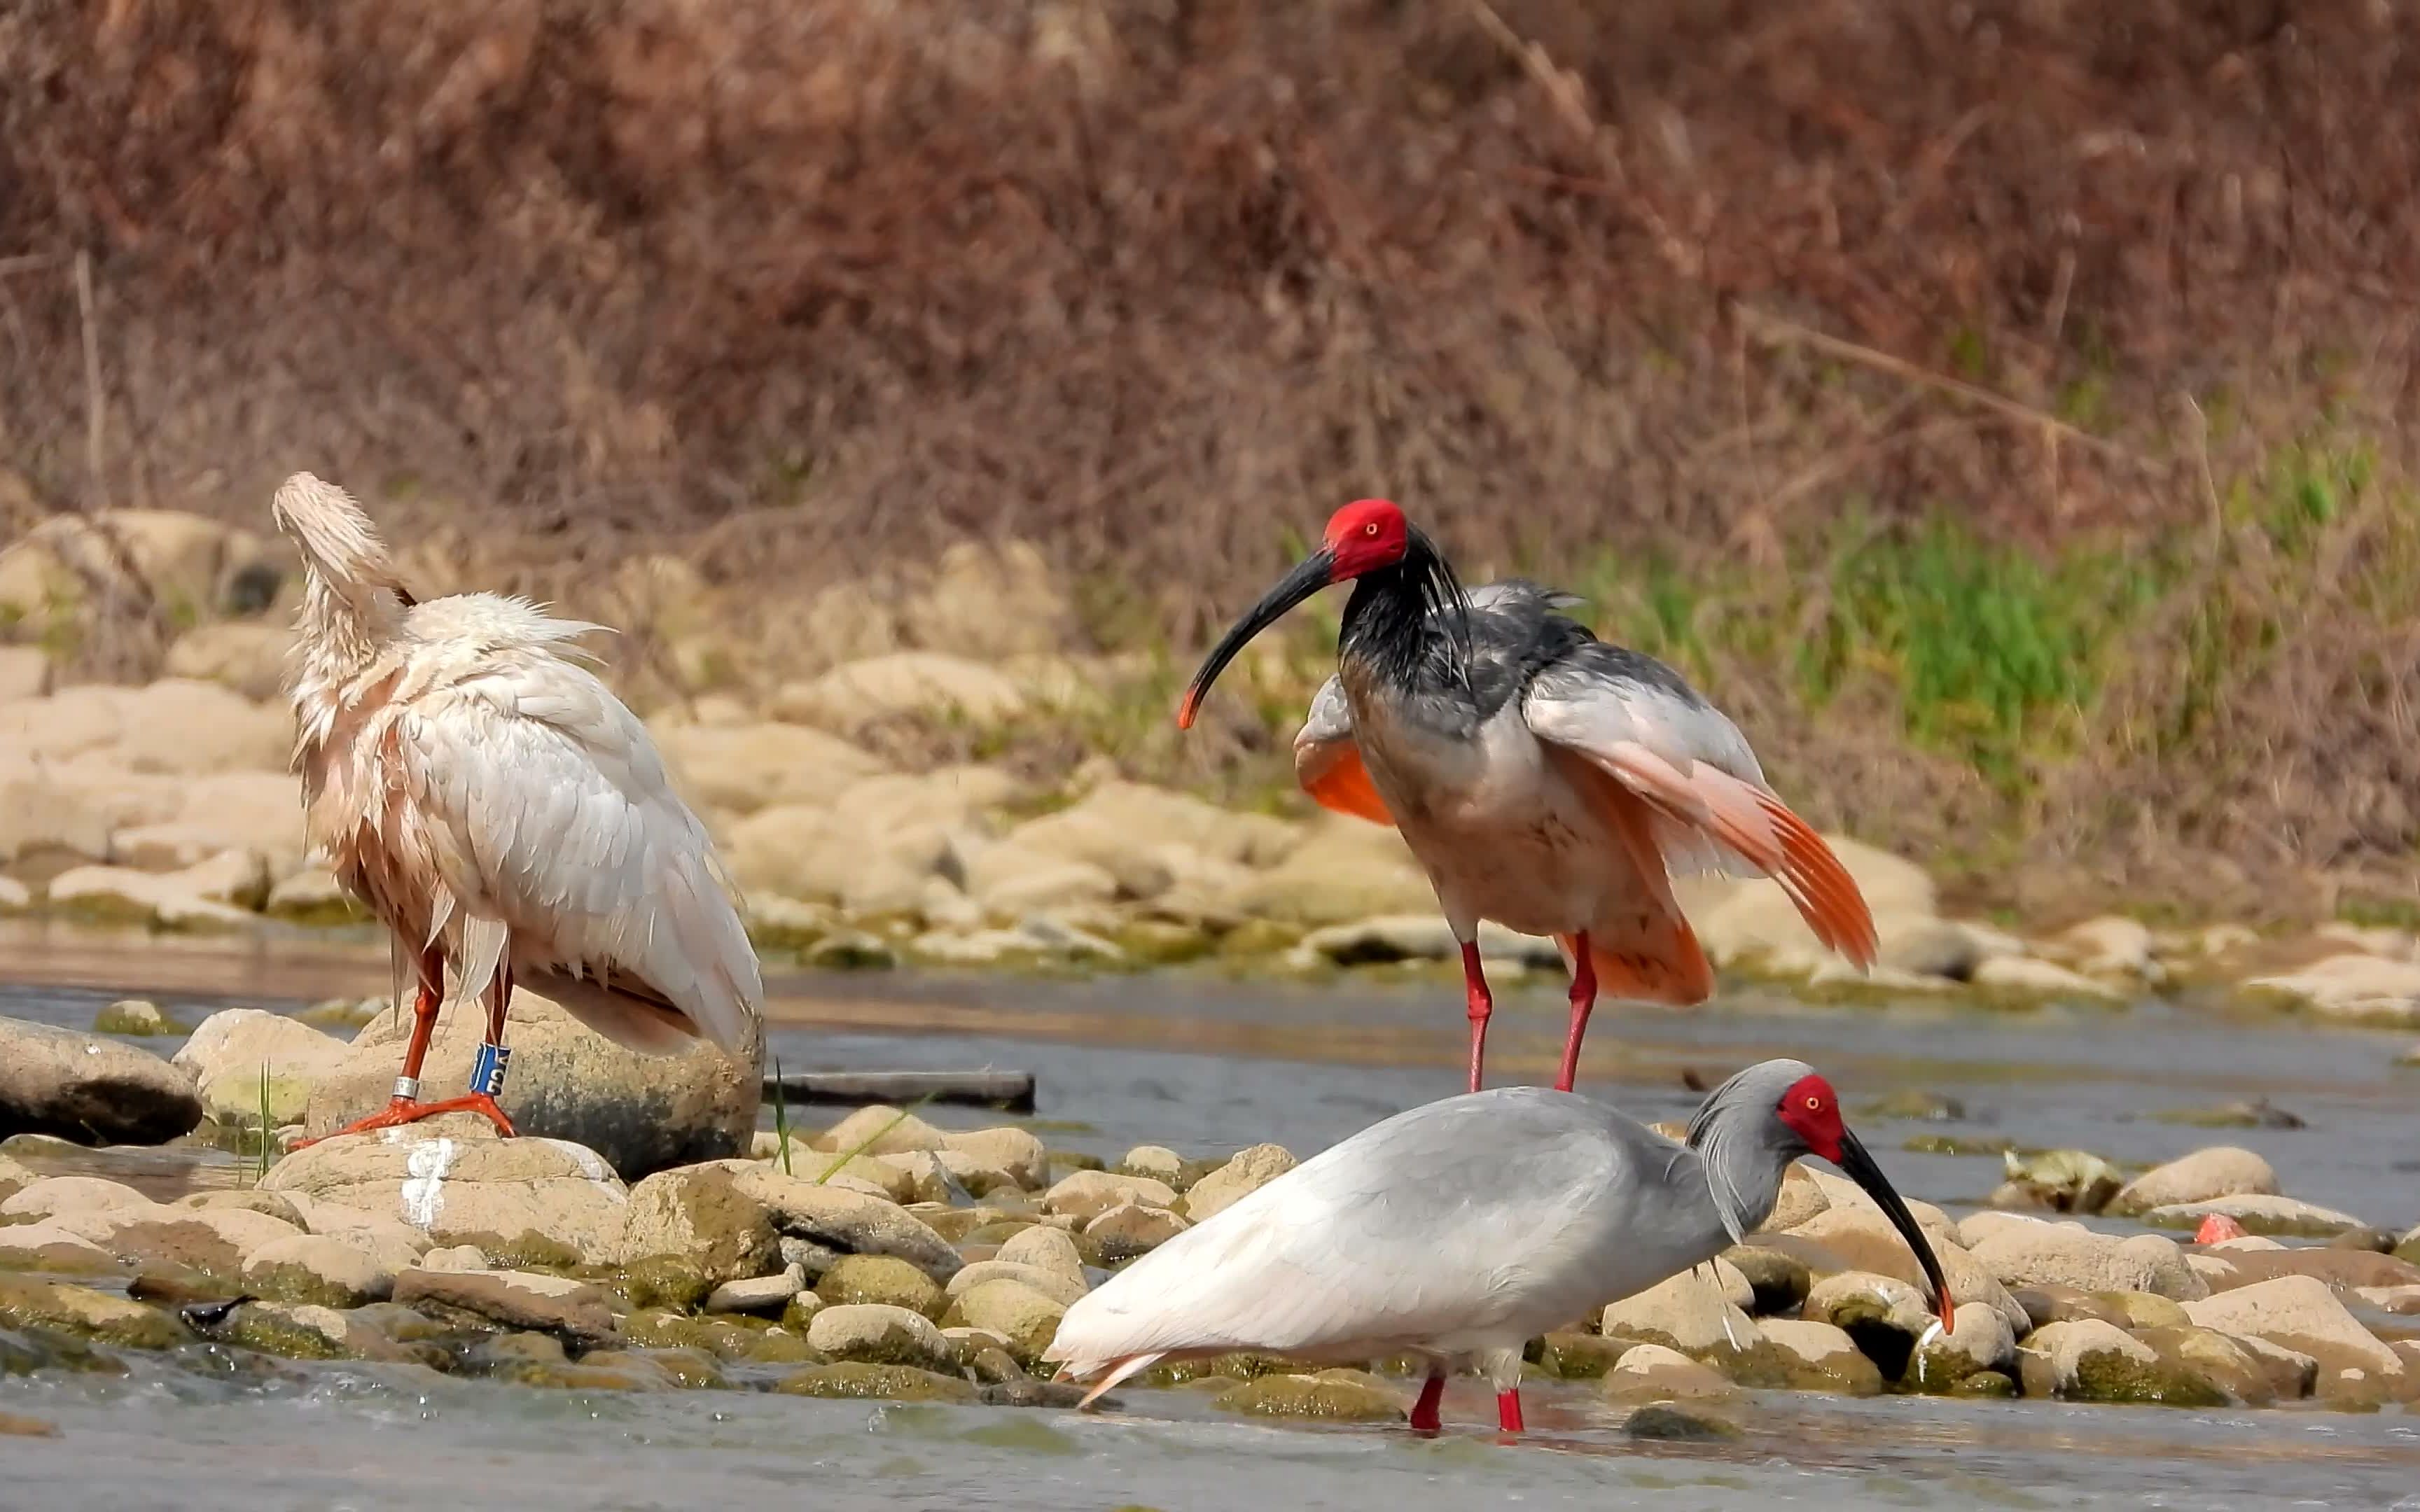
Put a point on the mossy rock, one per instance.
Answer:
(1334, 1397)
(657, 1329)
(882, 1383)
(670, 1281)
(1985, 1383)
(1779, 1281)
(779, 1346)
(2107, 1376)
(608, 1370)
(957, 1223)
(271, 1331)
(690, 1369)
(1024, 1390)
(994, 1234)
(885, 1279)
(1063, 1161)
(1241, 1365)
(1663, 1422)
(1572, 1355)
(88, 1313)
(801, 1310)
(528, 1249)
(133, 1016)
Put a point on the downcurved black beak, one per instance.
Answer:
(1859, 1167)
(1314, 573)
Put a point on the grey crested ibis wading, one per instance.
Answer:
(1462, 1229)
(1544, 779)
(501, 812)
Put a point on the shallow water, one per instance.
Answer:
(1207, 1066)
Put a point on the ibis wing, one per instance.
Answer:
(1327, 762)
(1636, 721)
(546, 809)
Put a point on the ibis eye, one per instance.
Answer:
(1814, 1104)
(1371, 529)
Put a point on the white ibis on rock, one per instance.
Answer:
(1544, 779)
(1461, 1229)
(501, 812)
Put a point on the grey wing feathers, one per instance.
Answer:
(1331, 718)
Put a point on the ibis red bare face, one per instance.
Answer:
(1811, 1111)
(1363, 537)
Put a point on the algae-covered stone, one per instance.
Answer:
(1573, 1355)
(882, 1383)
(1821, 1357)
(2092, 1361)
(880, 1334)
(310, 1331)
(88, 1313)
(1778, 1282)
(234, 1054)
(700, 1215)
(46, 1246)
(1026, 1318)
(2215, 1358)
(654, 1281)
(1119, 1234)
(1690, 1314)
(1885, 1314)
(1329, 1397)
(1661, 1422)
(1651, 1373)
(2270, 1216)
(1157, 1161)
(2303, 1314)
(135, 1017)
(2139, 1310)
(1979, 1338)
(881, 1279)
(515, 1299)
(1245, 1173)
(317, 1269)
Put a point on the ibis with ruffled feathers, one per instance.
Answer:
(1544, 779)
(506, 817)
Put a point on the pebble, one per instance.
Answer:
(883, 1280)
(762, 1294)
(1119, 1234)
(514, 1299)
(1085, 1194)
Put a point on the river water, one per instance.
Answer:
(1206, 1066)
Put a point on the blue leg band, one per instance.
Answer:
(488, 1069)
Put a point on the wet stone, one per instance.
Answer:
(1663, 1423)
(1321, 1397)
(761, 1294)
(885, 1383)
(86, 1314)
(1025, 1391)
(880, 1334)
(1569, 1354)
(880, 1279)
(1778, 1281)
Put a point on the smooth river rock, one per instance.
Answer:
(89, 1089)
(2220, 1171)
(229, 1051)
(642, 1113)
(453, 1179)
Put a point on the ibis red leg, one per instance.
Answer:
(1424, 1412)
(1482, 1005)
(1508, 1411)
(1583, 1000)
(406, 1105)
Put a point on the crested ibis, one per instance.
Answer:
(501, 812)
(1542, 778)
(1462, 1229)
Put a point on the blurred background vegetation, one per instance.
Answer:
(2003, 408)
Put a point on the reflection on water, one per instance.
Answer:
(1207, 1066)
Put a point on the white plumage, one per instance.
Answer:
(493, 803)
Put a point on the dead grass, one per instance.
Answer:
(1760, 317)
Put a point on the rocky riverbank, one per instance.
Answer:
(885, 1257)
(167, 805)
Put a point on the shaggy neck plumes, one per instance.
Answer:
(1410, 620)
(1743, 1146)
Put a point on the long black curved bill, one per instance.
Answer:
(1314, 573)
(1859, 1167)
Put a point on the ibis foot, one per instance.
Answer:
(405, 1110)
(1424, 1412)
(1508, 1411)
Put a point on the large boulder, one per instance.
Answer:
(2353, 986)
(543, 1200)
(2069, 1254)
(233, 1054)
(643, 1113)
(847, 1221)
(927, 684)
(220, 890)
(2303, 1314)
(1754, 920)
(2219, 1171)
(2089, 1360)
(743, 768)
(1344, 870)
(248, 658)
(92, 1090)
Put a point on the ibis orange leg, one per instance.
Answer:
(1583, 1000)
(1482, 1005)
(1424, 1412)
(405, 1106)
(1508, 1411)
